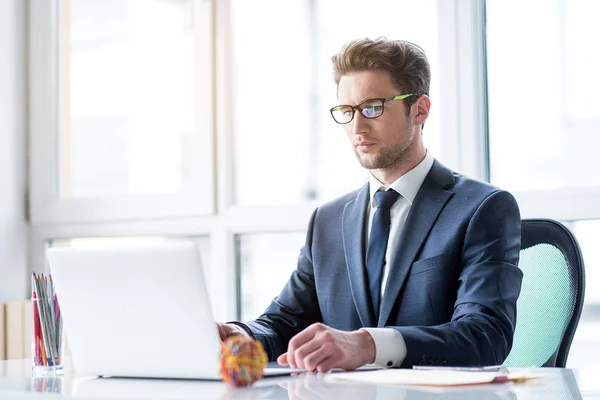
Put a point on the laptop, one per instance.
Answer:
(138, 311)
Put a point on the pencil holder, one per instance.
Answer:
(47, 333)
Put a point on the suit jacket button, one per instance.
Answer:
(389, 363)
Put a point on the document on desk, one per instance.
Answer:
(427, 378)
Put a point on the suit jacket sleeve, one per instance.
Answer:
(489, 282)
(294, 309)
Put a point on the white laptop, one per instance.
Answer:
(137, 311)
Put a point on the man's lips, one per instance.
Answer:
(363, 146)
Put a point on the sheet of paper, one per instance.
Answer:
(416, 377)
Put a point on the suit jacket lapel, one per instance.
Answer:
(353, 228)
(429, 202)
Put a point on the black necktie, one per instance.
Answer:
(378, 239)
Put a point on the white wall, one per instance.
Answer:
(13, 138)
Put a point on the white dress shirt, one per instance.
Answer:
(390, 347)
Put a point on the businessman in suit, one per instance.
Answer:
(419, 266)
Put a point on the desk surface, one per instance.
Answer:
(16, 382)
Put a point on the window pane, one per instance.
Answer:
(283, 87)
(265, 262)
(130, 86)
(586, 344)
(544, 111)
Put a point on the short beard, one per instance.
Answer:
(390, 156)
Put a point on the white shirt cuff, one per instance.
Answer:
(390, 348)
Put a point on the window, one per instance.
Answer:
(128, 108)
(544, 114)
(266, 261)
(123, 129)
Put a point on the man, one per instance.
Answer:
(419, 266)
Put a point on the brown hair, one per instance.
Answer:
(405, 62)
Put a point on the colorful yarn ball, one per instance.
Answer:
(243, 360)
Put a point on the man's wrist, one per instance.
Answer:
(368, 344)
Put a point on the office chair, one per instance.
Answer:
(551, 299)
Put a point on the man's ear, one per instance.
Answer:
(421, 109)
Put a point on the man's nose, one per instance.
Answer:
(359, 123)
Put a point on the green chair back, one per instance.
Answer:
(551, 299)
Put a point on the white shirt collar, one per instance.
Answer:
(407, 185)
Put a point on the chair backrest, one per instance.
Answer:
(551, 299)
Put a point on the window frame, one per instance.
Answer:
(45, 118)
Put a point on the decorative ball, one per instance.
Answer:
(243, 360)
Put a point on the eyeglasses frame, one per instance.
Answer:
(358, 106)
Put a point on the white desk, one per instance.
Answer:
(16, 382)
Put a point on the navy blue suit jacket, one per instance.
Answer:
(452, 287)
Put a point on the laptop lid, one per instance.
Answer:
(136, 311)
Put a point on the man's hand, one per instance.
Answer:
(226, 330)
(321, 348)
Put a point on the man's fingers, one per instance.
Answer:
(319, 348)
(307, 351)
(283, 359)
(226, 331)
(289, 359)
(306, 335)
(317, 357)
(327, 364)
(300, 339)
(222, 333)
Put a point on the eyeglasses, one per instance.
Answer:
(371, 108)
